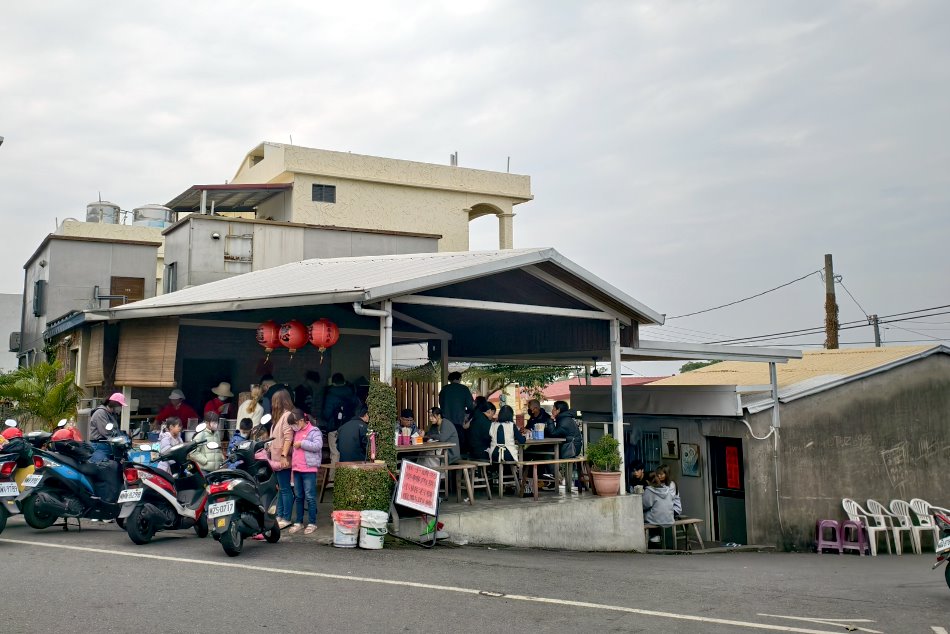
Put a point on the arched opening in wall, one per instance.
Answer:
(483, 227)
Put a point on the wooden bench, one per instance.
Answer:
(468, 469)
(685, 523)
(534, 464)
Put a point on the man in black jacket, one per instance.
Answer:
(351, 437)
(456, 403)
(566, 427)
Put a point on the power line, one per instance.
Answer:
(858, 343)
(744, 299)
(916, 333)
(841, 281)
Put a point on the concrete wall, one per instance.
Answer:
(119, 232)
(386, 194)
(70, 286)
(11, 307)
(884, 437)
(587, 523)
(201, 259)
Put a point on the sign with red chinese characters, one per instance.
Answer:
(418, 488)
(732, 468)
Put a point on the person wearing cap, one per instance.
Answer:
(176, 407)
(11, 430)
(221, 404)
(406, 423)
(106, 413)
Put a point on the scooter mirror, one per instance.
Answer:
(62, 423)
(266, 418)
(200, 428)
(212, 445)
(110, 426)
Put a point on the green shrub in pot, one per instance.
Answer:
(604, 454)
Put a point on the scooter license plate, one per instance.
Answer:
(220, 509)
(129, 495)
(9, 489)
(33, 480)
(943, 545)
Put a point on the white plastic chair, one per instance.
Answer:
(902, 508)
(922, 508)
(874, 524)
(899, 524)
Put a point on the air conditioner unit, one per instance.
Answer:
(14, 342)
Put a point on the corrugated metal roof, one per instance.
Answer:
(816, 371)
(368, 278)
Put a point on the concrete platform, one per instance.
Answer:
(567, 522)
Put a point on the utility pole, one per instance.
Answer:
(873, 320)
(831, 306)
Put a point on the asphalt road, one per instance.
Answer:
(97, 580)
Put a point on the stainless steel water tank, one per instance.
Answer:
(102, 212)
(153, 216)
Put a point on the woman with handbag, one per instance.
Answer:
(281, 448)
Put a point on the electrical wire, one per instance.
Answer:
(841, 281)
(744, 299)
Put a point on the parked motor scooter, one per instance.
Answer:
(16, 457)
(66, 485)
(8, 488)
(243, 502)
(158, 500)
(943, 546)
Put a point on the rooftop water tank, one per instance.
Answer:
(153, 215)
(102, 212)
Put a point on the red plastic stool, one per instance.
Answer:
(852, 537)
(823, 543)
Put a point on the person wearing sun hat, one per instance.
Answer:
(221, 404)
(178, 408)
(106, 413)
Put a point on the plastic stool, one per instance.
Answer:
(858, 542)
(823, 543)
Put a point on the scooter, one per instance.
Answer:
(16, 465)
(67, 485)
(158, 500)
(243, 502)
(943, 546)
(8, 487)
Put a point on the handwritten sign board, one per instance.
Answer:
(418, 488)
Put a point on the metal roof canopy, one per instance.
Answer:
(549, 309)
(227, 198)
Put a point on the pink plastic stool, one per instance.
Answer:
(823, 543)
(852, 537)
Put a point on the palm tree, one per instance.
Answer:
(37, 393)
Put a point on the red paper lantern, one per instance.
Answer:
(268, 335)
(293, 335)
(323, 334)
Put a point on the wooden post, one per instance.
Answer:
(831, 306)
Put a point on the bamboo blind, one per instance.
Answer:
(147, 350)
(94, 373)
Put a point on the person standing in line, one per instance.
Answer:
(252, 408)
(208, 459)
(280, 453)
(339, 405)
(306, 395)
(308, 453)
(171, 437)
(457, 404)
(270, 387)
(106, 413)
(352, 436)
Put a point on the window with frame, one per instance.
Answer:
(170, 281)
(324, 193)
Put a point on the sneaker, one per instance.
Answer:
(310, 529)
(295, 528)
(283, 524)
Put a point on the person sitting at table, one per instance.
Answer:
(564, 426)
(406, 423)
(637, 477)
(505, 437)
(536, 415)
(660, 504)
(351, 437)
(479, 429)
(443, 430)
(178, 408)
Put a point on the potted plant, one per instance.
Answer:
(604, 457)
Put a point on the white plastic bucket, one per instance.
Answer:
(346, 528)
(373, 529)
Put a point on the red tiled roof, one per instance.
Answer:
(561, 390)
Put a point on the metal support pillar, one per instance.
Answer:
(773, 379)
(126, 416)
(616, 393)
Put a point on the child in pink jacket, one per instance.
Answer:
(306, 459)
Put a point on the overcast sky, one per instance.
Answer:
(690, 153)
